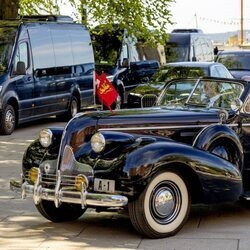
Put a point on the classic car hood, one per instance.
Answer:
(86, 124)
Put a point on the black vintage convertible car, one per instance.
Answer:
(153, 163)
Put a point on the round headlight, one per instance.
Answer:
(45, 137)
(98, 142)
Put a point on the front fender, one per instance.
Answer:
(219, 179)
(35, 154)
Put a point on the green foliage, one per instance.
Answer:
(35, 7)
(147, 19)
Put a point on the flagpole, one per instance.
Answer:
(241, 23)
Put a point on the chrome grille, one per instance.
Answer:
(148, 100)
(50, 179)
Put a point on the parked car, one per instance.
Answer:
(144, 95)
(46, 68)
(237, 62)
(153, 163)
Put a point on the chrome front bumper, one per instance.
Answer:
(68, 195)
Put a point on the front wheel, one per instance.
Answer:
(162, 209)
(8, 121)
(65, 212)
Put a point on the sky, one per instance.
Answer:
(212, 16)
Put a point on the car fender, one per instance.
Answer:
(215, 134)
(35, 154)
(9, 95)
(217, 179)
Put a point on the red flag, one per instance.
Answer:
(105, 90)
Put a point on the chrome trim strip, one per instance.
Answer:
(162, 127)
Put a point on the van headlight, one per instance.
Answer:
(98, 142)
(45, 137)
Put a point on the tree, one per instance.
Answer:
(148, 19)
(9, 9)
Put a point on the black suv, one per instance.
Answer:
(46, 68)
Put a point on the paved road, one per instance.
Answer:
(225, 226)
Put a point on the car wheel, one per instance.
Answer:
(227, 151)
(163, 207)
(65, 212)
(73, 107)
(8, 121)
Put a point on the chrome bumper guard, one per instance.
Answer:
(68, 195)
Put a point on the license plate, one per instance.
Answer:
(104, 185)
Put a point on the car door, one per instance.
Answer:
(23, 81)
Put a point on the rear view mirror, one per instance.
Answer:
(20, 68)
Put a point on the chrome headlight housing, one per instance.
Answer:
(45, 137)
(98, 142)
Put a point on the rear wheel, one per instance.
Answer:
(73, 107)
(65, 212)
(162, 209)
(8, 121)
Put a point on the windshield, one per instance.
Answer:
(177, 52)
(202, 92)
(235, 61)
(7, 38)
(106, 47)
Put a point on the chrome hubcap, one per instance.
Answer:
(165, 202)
(9, 120)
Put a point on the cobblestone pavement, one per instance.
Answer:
(225, 226)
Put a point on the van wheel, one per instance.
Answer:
(73, 107)
(163, 207)
(65, 212)
(8, 121)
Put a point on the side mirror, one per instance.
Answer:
(125, 63)
(20, 68)
(236, 105)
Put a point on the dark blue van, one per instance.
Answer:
(46, 68)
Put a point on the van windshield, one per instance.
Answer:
(7, 38)
(107, 47)
(177, 52)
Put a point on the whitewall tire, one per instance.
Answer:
(162, 209)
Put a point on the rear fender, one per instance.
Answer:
(219, 134)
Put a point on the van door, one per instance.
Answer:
(45, 99)
(74, 65)
(22, 79)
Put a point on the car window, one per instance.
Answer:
(247, 105)
(213, 93)
(223, 72)
(176, 92)
(235, 61)
(22, 55)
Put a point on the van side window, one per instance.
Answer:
(22, 55)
